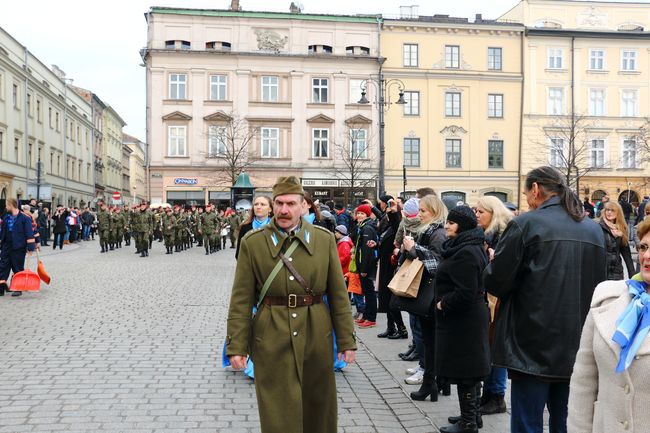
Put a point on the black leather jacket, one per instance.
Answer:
(545, 270)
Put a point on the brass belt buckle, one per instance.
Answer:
(293, 301)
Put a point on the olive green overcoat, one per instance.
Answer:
(292, 348)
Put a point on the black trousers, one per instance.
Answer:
(394, 317)
(11, 261)
(428, 325)
(368, 287)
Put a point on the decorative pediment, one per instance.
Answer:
(358, 119)
(453, 130)
(218, 116)
(177, 115)
(320, 118)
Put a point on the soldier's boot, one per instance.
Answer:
(112, 246)
(146, 253)
(207, 252)
(103, 248)
(119, 244)
(142, 254)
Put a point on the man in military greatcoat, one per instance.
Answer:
(290, 338)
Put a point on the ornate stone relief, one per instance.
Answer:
(592, 17)
(269, 40)
(453, 130)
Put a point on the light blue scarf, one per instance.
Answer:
(310, 218)
(257, 223)
(633, 325)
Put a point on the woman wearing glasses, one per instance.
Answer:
(610, 387)
(617, 242)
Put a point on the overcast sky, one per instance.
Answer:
(97, 43)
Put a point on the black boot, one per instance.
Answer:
(468, 401)
(387, 333)
(444, 387)
(142, 254)
(3, 289)
(428, 388)
(146, 253)
(479, 417)
(112, 247)
(400, 334)
(496, 404)
(103, 248)
(408, 353)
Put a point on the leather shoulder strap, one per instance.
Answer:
(274, 272)
(296, 275)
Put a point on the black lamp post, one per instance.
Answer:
(383, 88)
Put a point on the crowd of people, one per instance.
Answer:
(504, 295)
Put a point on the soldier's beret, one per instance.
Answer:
(287, 185)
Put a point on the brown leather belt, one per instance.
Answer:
(293, 301)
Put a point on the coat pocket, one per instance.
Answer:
(598, 421)
(260, 323)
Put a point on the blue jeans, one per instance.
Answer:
(418, 339)
(529, 396)
(67, 233)
(86, 232)
(359, 302)
(496, 382)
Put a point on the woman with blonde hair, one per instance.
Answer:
(617, 243)
(493, 216)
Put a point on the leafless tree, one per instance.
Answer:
(355, 157)
(231, 145)
(570, 148)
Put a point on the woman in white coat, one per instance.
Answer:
(610, 386)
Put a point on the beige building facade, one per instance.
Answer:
(459, 131)
(587, 65)
(42, 119)
(293, 79)
(112, 154)
(137, 168)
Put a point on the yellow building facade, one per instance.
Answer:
(459, 131)
(587, 61)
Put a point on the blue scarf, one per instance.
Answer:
(633, 325)
(310, 218)
(257, 223)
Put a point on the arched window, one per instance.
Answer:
(319, 49)
(629, 196)
(500, 195)
(630, 28)
(452, 198)
(218, 46)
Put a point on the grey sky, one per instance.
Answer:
(97, 43)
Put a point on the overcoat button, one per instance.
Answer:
(626, 425)
(295, 334)
(294, 315)
(291, 278)
(627, 389)
(291, 259)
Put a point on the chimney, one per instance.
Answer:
(234, 5)
(479, 18)
(295, 9)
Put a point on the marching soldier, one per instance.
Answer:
(207, 228)
(141, 228)
(120, 226)
(135, 210)
(199, 216)
(168, 229)
(104, 226)
(233, 222)
(127, 225)
(178, 229)
(291, 336)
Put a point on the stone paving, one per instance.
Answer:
(120, 343)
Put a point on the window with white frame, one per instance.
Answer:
(597, 153)
(270, 88)
(358, 144)
(270, 143)
(176, 141)
(453, 153)
(555, 58)
(495, 60)
(495, 105)
(452, 56)
(355, 90)
(410, 55)
(412, 106)
(452, 104)
(557, 152)
(628, 154)
(411, 152)
(629, 103)
(218, 87)
(555, 103)
(596, 102)
(217, 141)
(628, 60)
(319, 90)
(320, 142)
(177, 86)
(596, 59)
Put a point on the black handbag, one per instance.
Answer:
(423, 304)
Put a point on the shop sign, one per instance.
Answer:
(320, 182)
(320, 193)
(185, 181)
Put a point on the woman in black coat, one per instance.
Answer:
(462, 316)
(617, 243)
(58, 222)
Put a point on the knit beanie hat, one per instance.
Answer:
(365, 209)
(412, 207)
(386, 198)
(464, 217)
(342, 229)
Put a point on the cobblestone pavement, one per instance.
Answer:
(120, 343)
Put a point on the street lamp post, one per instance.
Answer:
(383, 87)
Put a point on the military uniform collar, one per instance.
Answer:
(276, 238)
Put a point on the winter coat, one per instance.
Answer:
(365, 256)
(410, 227)
(462, 348)
(387, 229)
(615, 249)
(59, 223)
(344, 247)
(544, 272)
(22, 235)
(601, 400)
(343, 217)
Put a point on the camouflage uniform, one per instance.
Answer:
(168, 231)
(104, 227)
(141, 229)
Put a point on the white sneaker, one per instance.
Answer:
(412, 371)
(416, 379)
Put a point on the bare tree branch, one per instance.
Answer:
(354, 153)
